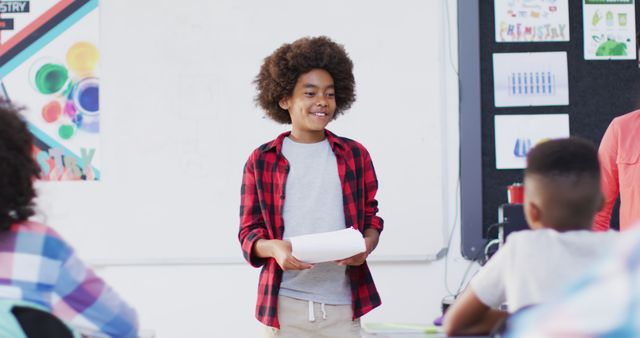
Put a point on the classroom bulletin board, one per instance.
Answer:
(599, 80)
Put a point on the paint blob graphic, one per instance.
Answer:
(82, 58)
(75, 87)
(86, 100)
(86, 97)
(66, 131)
(51, 111)
(69, 109)
(51, 78)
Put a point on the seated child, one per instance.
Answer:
(562, 195)
(604, 302)
(36, 265)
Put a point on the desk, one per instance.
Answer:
(146, 333)
(402, 335)
(412, 335)
(141, 334)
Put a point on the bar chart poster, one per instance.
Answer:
(531, 20)
(530, 79)
(49, 64)
(609, 29)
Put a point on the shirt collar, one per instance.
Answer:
(276, 145)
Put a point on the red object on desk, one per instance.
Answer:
(515, 193)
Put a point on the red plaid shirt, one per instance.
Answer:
(261, 205)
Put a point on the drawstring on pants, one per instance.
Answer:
(312, 317)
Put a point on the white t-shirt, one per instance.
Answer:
(536, 265)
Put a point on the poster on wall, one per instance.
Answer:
(609, 29)
(530, 79)
(49, 64)
(531, 20)
(516, 135)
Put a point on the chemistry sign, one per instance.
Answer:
(11, 7)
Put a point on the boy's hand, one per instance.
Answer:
(356, 260)
(282, 254)
(370, 243)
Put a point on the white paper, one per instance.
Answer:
(531, 20)
(530, 79)
(327, 246)
(515, 135)
(609, 29)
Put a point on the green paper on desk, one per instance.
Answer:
(400, 328)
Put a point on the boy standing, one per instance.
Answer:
(562, 195)
(308, 181)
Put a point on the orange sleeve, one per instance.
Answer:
(608, 153)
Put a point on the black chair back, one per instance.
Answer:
(40, 324)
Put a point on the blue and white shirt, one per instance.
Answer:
(38, 266)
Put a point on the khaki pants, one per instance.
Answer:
(328, 321)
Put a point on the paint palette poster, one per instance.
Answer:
(609, 29)
(530, 79)
(516, 135)
(531, 20)
(49, 64)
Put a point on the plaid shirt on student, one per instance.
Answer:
(38, 266)
(262, 201)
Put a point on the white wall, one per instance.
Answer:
(218, 300)
(179, 121)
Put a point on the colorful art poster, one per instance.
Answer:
(609, 29)
(49, 64)
(515, 135)
(530, 79)
(531, 20)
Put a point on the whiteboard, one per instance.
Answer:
(179, 122)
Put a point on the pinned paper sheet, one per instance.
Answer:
(327, 246)
(609, 28)
(530, 79)
(515, 135)
(531, 20)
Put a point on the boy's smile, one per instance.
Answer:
(311, 106)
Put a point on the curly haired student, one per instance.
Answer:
(308, 180)
(36, 265)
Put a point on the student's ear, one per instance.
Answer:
(284, 103)
(532, 213)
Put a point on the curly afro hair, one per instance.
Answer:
(18, 169)
(280, 71)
